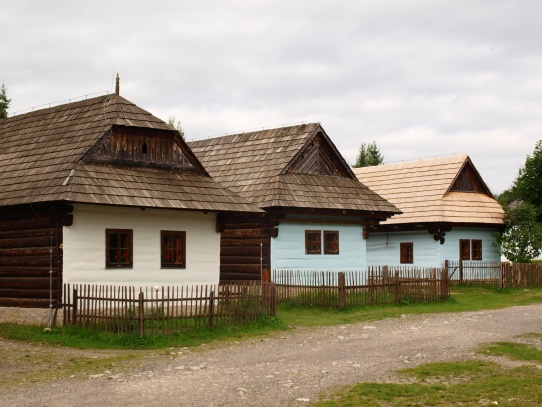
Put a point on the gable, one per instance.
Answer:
(468, 180)
(132, 146)
(317, 157)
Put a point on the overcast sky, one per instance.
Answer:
(421, 78)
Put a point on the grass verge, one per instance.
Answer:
(92, 339)
(462, 299)
(471, 383)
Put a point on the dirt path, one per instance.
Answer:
(287, 370)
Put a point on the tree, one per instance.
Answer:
(4, 102)
(176, 125)
(369, 155)
(522, 239)
(529, 181)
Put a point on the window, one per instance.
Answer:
(173, 246)
(407, 253)
(331, 242)
(313, 242)
(470, 249)
(476, 249)
(464, 249)
(119, 250)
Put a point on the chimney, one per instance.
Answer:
(117, 86)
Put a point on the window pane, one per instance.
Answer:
(331, 242)
(476, 250)
(312, 242)
(464, 249)
(118, 248)
(407, 253)
(173, 249)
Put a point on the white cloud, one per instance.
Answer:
(421, 78)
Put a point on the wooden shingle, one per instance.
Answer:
(423, 191)
(44, 156)
(289, 167)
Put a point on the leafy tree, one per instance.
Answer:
(529, 180)
(4, 102)
(369, 155)
(522, 239)
(176, 125)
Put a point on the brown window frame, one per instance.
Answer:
(333, 246)
(464, 249)
(124, 254)
(170, 257)
(476, 249)
(313, 246)
(406, 253)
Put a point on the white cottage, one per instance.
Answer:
(448, 213)
(101, 191)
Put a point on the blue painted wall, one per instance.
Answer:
(450, 250)
(288, 249)
(384, 248)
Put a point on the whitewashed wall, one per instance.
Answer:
(84, 246)
(288, 249)
(384, 248)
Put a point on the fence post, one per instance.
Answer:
(74, 306)
(211, 308)
(266, 279)
(342, 290)
(385, 275)
(444, 283)
(460, 271)
(141, 313)
(397, 293)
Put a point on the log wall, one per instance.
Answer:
(30, 247)
(243, 242)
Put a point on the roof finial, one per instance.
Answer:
(117, 86)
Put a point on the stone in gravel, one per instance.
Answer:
(303, 400)
(369, 327)
(179, 368)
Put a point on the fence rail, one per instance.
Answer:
(375, 286)
(503, 275)
(149, 311)
(474, 272)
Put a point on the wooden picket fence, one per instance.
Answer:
(474, 272)
(161, 311)
(503, 275)
(377, 285)
(521, 275)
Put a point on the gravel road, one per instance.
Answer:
(285, 370)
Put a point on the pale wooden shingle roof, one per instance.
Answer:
(267, 167)
(421, 189)
(41, 161)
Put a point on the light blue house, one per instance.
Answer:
(316, 211)
(448, 213)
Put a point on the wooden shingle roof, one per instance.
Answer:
(295, 166)
(41, 160)
(423, 190)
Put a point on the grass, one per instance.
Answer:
(513, 350)
(463, 299)
(471, 383)
(85, 338)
